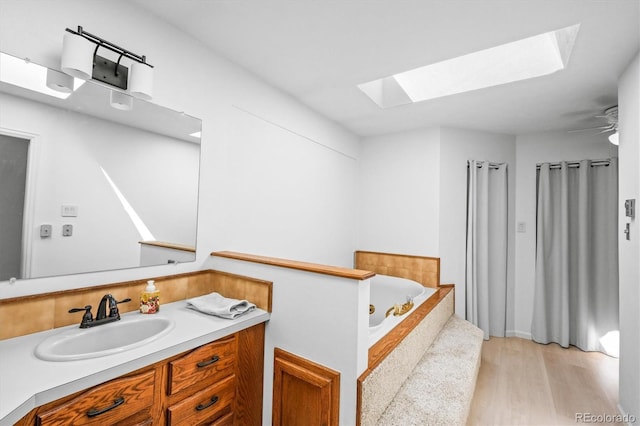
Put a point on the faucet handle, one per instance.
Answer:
(86, 318)
(86, 309)
(113, 308)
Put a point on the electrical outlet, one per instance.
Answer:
(45, 231)
(67, 230)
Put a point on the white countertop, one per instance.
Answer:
(27, 382)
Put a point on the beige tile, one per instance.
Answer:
(26, 316)
(172, 290)
(199, 285)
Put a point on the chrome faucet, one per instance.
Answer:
(101, 316)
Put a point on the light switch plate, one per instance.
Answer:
(68, 210)
(630, 208)
(522, 226)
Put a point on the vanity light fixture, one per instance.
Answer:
(59, 81)
(80, 59)
(31, 76)
(120, 100)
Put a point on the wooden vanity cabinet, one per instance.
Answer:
(219, 383)
(201, 384)
(114, 402)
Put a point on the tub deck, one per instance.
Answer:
(392, 359)
(390, 341)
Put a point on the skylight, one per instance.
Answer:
(28, 75)
(531, 57)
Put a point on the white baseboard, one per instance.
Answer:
(516, 333)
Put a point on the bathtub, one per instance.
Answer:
(387, 291)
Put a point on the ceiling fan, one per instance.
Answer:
(611, 115)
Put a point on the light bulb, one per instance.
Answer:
(121, 100)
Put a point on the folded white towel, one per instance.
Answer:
(223, 307)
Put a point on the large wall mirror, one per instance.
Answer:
(87, 187)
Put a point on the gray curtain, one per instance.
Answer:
(486, 261)
(576, 284)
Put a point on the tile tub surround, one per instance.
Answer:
(422, 269)
(32, 314)
(35, 382)
(379, 384)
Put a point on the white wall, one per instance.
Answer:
(315, 316)
(412, 189)
(532, 149)
(629, 181)
(456, 147)
(191, 78)
(158, 176)
(291, 197)
(399, 193)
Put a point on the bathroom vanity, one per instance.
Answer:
(206, 370)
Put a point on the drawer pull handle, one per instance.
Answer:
(213, 360)
(201, 407)
(94, 412)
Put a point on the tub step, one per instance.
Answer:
(440, 388)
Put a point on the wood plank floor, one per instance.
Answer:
(526, 383)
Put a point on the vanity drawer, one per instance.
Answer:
(208, 404)
(226, 420)
(108, 403)
(210, 362)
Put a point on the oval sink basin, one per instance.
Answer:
(103, 340)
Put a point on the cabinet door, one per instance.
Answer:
(109, 403)
(207, 405)
(210, 362)
(304, 393)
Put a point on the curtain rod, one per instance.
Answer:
(575, 164)
(491, 165)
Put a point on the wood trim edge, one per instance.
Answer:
(164, 244)
(101, 286)
(354, 274)
(381, 349)
(396, 254)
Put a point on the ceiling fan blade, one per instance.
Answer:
(591, 128)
